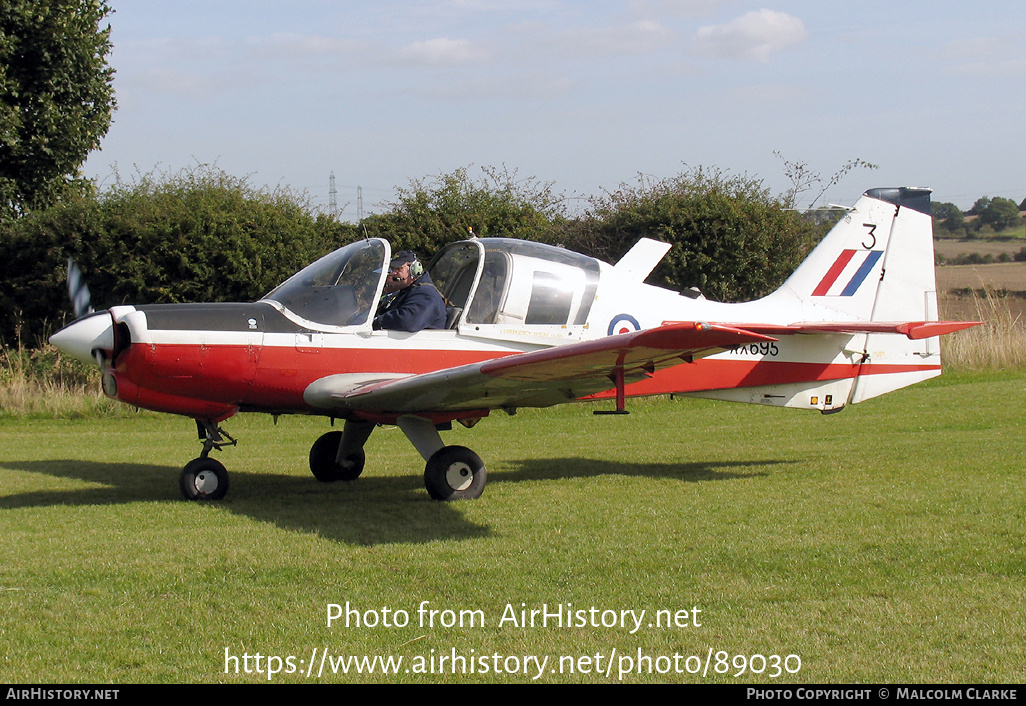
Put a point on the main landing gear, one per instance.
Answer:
(338, 455)
(451, 473)
(454, 473)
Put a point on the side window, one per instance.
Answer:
(501, 287)
(485, 307)
(453, 271)
(551, 300)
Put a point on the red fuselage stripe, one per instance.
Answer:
(272, 377)
(275, 377)
(711, 374)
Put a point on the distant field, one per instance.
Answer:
(1010, 276)
(882, 544)
(954, 248)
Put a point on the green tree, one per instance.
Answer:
(730, 238)
(980, 206)
(1000, 214)
(56, 97)
(947, 217)
(942, 210)
(432, 212)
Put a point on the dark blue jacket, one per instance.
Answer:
(416, 307)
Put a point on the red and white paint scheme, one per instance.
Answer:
(530, 325)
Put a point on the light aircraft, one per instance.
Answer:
(530, 325)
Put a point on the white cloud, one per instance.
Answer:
(687, 8)
(440, 52)
(754, 35)
(294, 45)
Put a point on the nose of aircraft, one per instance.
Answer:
(80, 339)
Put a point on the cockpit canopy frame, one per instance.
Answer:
(494, 287)
(507, 288)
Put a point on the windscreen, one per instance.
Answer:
(339, 289)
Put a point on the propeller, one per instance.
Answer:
(78, 291)
(90, 338)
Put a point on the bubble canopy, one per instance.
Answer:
(486, 282)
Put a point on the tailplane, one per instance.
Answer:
(858, 318)
(872, 277)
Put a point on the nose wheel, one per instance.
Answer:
(204, 479)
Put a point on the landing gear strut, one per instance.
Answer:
(452, 472)
(205, 478)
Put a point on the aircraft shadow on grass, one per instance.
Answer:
(556, 468)
(372, 510)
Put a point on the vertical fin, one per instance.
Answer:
(876, 264)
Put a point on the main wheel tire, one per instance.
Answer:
(455, 473)
(324, 464)
(204, 479)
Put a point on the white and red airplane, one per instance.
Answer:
(530, 325)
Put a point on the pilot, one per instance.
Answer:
(410, 302)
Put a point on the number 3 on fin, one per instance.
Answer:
(872, 234)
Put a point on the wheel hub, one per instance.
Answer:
(459, 476)
(206, 482)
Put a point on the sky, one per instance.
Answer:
(585, 95)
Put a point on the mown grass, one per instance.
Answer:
(883, 544)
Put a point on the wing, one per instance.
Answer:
(536, 379)
(563, 373)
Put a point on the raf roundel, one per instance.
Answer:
(623, 323)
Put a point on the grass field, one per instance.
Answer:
(883, 544)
